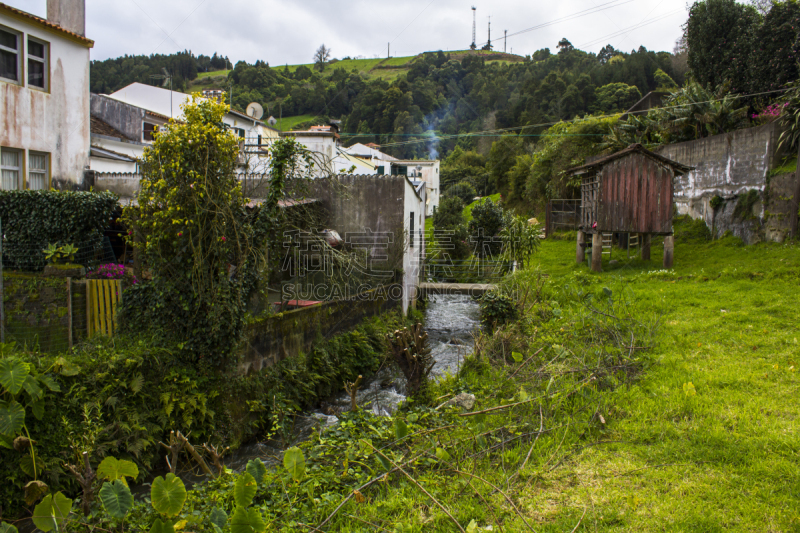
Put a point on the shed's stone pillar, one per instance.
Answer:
(580, 247)
(669, 247)
(597, 252)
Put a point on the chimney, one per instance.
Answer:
(69, 14)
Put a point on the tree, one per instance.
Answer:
(565, 46)
(488, 220)
(719, 35)
(463, 190)
(616, 97)
(322, 56)
(449, 214)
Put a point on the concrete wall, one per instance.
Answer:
(368, 206)
(287, 334)
(124, 185)
(727, 167)
(54, 121)
(124, 117)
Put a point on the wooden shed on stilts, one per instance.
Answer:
(628, 192)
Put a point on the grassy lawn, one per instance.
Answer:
(212, 73)
(722, 456)
(468, 208)
(288, 123)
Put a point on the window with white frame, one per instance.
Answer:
(37, 63)
(10, 168)
(10, 48)
(38, 171)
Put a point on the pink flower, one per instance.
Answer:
(224, 239)
(180, 234)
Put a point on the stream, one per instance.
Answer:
(449, 321)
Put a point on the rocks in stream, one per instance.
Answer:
(464, 400)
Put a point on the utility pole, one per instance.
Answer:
(473, 46)
(489, 42)
(505, 40)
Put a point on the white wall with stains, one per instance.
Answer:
(54, 121)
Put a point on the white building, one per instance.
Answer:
(424, 170)
(163, 104)
(44, 97)
(329, 157)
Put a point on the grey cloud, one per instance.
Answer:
(282, 32)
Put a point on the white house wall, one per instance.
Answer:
(412, 259)
(54, 122)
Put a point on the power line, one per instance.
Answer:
(631, 28)
(546, 124)
(578, 14)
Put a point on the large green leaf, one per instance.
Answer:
(34, 490)
(50, 383)
(12, 418)
(31, 385)
(162, 527)
(13, 373)
(26, 463)
(247, 521)
(38, 408)
(244, 490)
(294, 462)
(51, 512)
(218, 517)
(112, 469)
(256, 468)
(167, 495)
(116, 498)
(7, 528)
(400, 428)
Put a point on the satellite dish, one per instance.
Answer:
(255, 111)
(272, 121)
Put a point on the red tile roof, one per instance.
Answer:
(44, 23)
(103, 128)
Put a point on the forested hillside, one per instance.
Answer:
(729, 58)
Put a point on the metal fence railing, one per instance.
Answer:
(467, 271)
(563, 215)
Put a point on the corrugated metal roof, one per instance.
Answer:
(98, 151)
(18, 13)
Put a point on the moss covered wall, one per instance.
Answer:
(36, 311)
(277, 337)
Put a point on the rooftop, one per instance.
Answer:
(45, 24)
(679, 168)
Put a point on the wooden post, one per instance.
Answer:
(669, 247)
(646, 239)
(580, 247)
(548, 219)
(88, 308)
(69, 311)
(597, 252)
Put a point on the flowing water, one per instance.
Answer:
(450, 321)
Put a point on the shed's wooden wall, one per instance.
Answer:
(635, 196)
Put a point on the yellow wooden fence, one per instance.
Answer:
(102, 298)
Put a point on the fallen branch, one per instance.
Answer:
(511, 503)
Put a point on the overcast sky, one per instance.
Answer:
(288, 32)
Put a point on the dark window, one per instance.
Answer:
(148, 131)
(411, 231)
(9, 55)
(240, 132)
(380, 170)
(37, 64)
(399, 171)
(259, 141)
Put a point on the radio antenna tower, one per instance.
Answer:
(473, 46)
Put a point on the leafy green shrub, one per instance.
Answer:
(463, 190)
(488, 220)
(497, 308)
(689, 230)
(449, 214)
(32, 220)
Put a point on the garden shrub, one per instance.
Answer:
(32, 220)
(488, 220)
(497, 308)
(449, 214)
(463, 190)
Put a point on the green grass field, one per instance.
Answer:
(721, 454)
(212, 74)
(288, 123)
